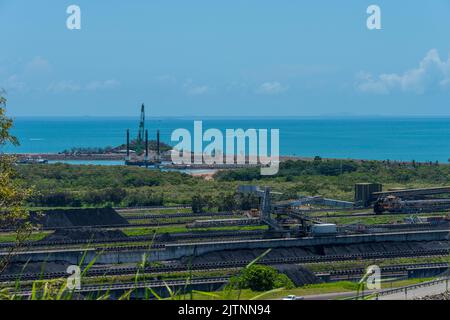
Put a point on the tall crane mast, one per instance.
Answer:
(141, 132)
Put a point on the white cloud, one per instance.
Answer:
(166, 79)
(13, 83)
(431, 73)
(271, 88)
(100, 85)
(193, 89)
(38, 64)
(72, 86)
(19, 75)
(64, 86)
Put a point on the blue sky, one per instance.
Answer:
(225, 58)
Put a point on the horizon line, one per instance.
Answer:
(193, 117)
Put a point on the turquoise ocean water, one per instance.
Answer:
(420, 139)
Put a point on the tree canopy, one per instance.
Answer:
(12, 194)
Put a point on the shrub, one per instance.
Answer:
(261, 278)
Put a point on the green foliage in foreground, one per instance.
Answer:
(12, 194)
(261, 278)
(258, 278)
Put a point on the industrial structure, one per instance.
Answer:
(141, 130)
(141, 145)
(306, 229)
(299, 231)
(364, 193)
(402, 200)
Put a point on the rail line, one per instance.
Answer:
(120, 209)
(216, 280)
(368, 214)
(141, 285)
(331, 210)
(114, 271)
(144, 216)
(105, 226)
(155, 240)
(393, 268)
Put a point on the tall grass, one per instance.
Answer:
(57, 289)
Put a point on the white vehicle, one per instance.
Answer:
(292, 297)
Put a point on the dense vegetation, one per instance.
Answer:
(70, 185)
(152, 145)
(12, 194)
(67, 185)
(261, 278)
(364, 171)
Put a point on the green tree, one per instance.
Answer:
(12, 195)
(261, 278)
(198, 203)
(226, 202)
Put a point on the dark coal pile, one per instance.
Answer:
(385, 246)
(291, 252)
(299, 275)
(64, 218)
(165, 237)
(250, 254)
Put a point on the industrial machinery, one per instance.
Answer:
(265, 204)
(141, 146)
(256, 216)
(394, 204)
(411, 193)
(306, 225)
(411, 200)
(254, 213)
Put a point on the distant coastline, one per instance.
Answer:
(393, 138)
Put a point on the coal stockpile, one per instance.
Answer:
(83, 217)
(320, 250)
(299, 275)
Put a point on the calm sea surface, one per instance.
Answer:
(426, 139)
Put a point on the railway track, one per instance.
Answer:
(109, 226)
(127, 286)
(105, 226)
(141, 285)
(121, 209)
(366, 214)
(393, 268)
(150, 239)
(117, 271)
(144, 216)
(332, 210)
